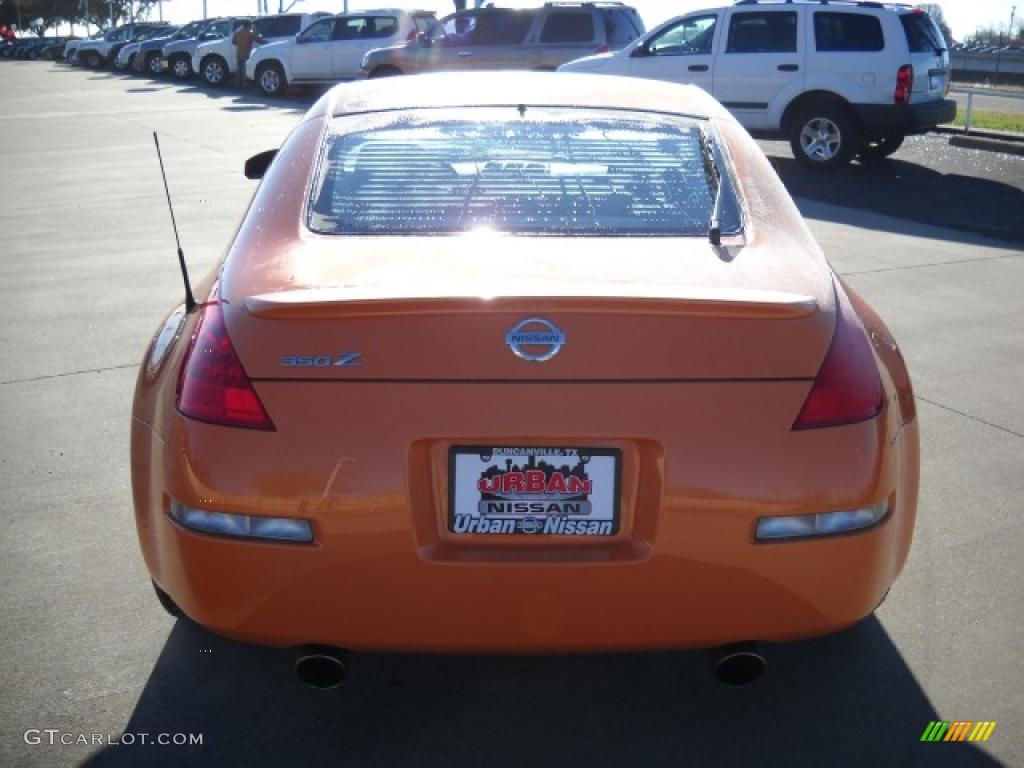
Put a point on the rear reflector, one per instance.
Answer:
(213, 386)
(243, 526)
(821, 524)
(847, 388)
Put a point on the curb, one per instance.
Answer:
(982, 134)
(972, 141)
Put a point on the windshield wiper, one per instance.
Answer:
(711, 168)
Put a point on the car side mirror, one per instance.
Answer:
(424, 40)
(257, 165)
(639, 52)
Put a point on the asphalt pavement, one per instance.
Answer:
(933, 239)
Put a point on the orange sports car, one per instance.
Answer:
(522, 362)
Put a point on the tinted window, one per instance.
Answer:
(278, 26)
(568, 27)
(762, 32)
(459, 29)
(621, 26)
(502, 27)
(922, 35)
(553, 172)
(690, 36)
(847, 32)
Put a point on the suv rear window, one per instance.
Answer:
(278, 26)
(847, 32)
(568, 27)
(549, 172)
(621, 26)
(762, 32)
(922, 35)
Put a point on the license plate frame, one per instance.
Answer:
(583, 502)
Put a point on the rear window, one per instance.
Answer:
(622, 25)
(278, 26)
(568, 27)
(443, 171)
(847, 32)
(762, 32)
(922, 35)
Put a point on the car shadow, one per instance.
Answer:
(913, 192)
(844, 700)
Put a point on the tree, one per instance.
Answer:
(935, 11)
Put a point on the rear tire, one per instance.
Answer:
(214, 71)
(92, 60)
(824, 136)
(876, 151)
(167, 603)
(270, 78)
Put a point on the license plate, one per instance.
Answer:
(533, 491)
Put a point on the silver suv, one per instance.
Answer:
(510, 38)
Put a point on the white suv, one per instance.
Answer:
(332, 49)
(214, 60)
(838, 79)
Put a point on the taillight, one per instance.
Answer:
(847, 388)
(904, 84)
(213, 386)
(602, 49)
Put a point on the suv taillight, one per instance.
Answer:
(213, 386)
(847, 388)
(904, 84)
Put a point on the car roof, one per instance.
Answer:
(482, 89)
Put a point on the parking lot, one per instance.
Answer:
(933, 238)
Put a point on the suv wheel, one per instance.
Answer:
(877, 151)
(153, 64)
(214, 70)
(824, 136)
(181, 67)
(93, 60)
(270, 78)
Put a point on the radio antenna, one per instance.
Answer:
(190, 301)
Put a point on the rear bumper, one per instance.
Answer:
(902, 119)
(384, 574)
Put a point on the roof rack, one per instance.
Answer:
(858, 3)
(557, 3)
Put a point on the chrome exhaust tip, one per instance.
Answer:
(737, 664)
(322, 667)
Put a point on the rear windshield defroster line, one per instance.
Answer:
(520, 171)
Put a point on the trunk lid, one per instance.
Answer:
(464, 308)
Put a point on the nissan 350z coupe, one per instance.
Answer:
(521, 362)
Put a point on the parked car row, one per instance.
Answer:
(839, 80)
(32, 48)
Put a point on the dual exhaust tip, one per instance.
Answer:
(323, 667)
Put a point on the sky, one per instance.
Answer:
(963, 16)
